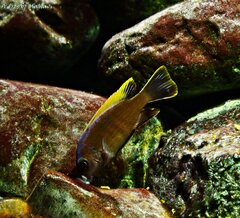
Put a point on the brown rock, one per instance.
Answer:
(44, 37)
(199, 41)
(64, 197)
(39, 129)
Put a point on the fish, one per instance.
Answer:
(117, 119)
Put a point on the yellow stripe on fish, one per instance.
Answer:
(128, 87)
(115, 121)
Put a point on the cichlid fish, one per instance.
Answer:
(115, 121)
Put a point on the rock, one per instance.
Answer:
(14, 207)
(197, 40)
(129, 168)
(44, 37)
(117, 15)
(64, 197)
(197, 169)
(39, 129)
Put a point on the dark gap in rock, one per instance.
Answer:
(189, 144)
(160, 40)
(4, 14)
(186, 27)
(213, 29)
(139, 174)
(163, 141)
(129, 49)
(133, 35)
(7, 195)
(50, 18)
(200, 167)
(203, 144)
(182, 191)
(185, 158)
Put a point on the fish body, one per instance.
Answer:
(114, 123)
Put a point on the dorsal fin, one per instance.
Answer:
(127, 90)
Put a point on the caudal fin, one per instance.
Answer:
(160, 85)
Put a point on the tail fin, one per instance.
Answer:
(160, 85)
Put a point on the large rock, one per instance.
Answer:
(199, 41)
(197, 169)
(58, 196)
(44, 37)
(39, 129)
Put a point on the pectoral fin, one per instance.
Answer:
(107, 153)
(146, 115)
(127, 90)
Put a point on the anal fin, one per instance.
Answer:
(146, 115)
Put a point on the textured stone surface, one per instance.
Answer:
(14, 208)
(197, 169)
(44, 37)
(64, 197)
(39, 129)
(199, 42)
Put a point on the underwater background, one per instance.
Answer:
(183, 163)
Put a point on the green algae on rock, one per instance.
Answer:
(39, 129)
(129, 168)
(223, 189)
(136, 153)
(14, 207)
(197, 40)
(65, 197)
(197, 169)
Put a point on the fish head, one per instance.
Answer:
(87, 167)
(88, 161)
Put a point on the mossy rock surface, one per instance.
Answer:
(66, 197)
(197, 169)
(197, 40)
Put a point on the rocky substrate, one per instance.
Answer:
(197, 169)
(171, 167)
(39, 129)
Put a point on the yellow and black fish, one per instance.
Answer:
(115, 121)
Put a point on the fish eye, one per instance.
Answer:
(82, 164)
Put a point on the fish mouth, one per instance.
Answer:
(84, 179)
